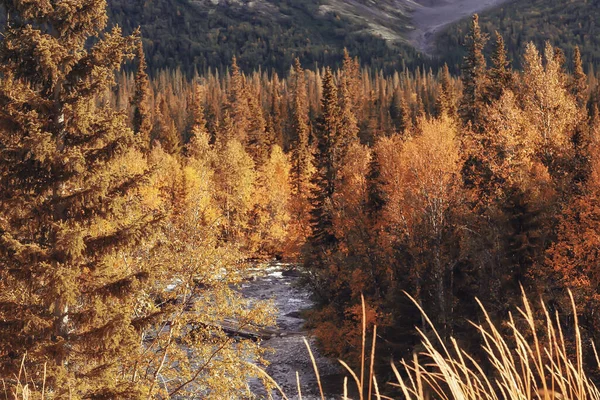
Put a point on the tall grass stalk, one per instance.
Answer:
(538, 368)
(524, 364)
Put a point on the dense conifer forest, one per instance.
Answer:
(131, 204)
(197, 35)
(565, 24)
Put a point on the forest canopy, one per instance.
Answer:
(565, 24)
(133, 206)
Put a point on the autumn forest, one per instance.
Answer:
(135, 202)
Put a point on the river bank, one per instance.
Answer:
(281, 282)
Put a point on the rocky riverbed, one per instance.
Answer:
(281, 282)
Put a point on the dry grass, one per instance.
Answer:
(23, 389)
(525, 365)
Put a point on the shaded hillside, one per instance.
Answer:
(565, 23)
(433, 16)
(269, 34)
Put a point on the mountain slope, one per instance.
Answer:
(267, 33)
(565, 23)
(432, 16)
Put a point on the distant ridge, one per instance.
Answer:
(195, 35)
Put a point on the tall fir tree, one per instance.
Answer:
(474, 74)
(237, 103)
(199, 135)
(446, 103)
(258, 144)
(327, 164)
(301, 151)
(277, 116)
(348, 132)
(69, 208)
(400, 111)
(352, 77)
(226, 131)
(579, 80)
(165, 130)
(501, 76)
(142, 115)
(376, 196)
(583, 135)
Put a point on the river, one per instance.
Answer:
(281, 282)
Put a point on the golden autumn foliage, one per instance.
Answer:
(273, 212)
(195, 278)
(118, 285)
(549, 107)
(235, 186)
(127, 214)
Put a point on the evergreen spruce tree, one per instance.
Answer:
(559, 57)
(275, 120)
(399, 111)
(258, 144)
(583, 135)
(376, 196)
(142, 116)
(327, 162)
(501, 76)
(474, 77)
(419, 111)
(301, 151)
(348, 133)
(69, 174)
(352, 76)
(165, 131)
(579, 81)
(237, 103)
(199, 135)
(446, 103)
(226, 131)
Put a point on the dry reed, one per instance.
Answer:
(539, 368)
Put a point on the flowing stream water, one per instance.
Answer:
(281, 282)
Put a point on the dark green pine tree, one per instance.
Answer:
(501, 75)
(348, 132)
(399, 111)
(69, 209)
(376, 195)
(225, 131)
(446, 103)
(237, 103)
(474, 75)
(165, 131)
(327, 160)
(198, 133)
(301, 151)
(275, 121)
(352, 80)
(579, 81)
(522, 240)
(258, 143)
(142, 116)
(583, 136)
